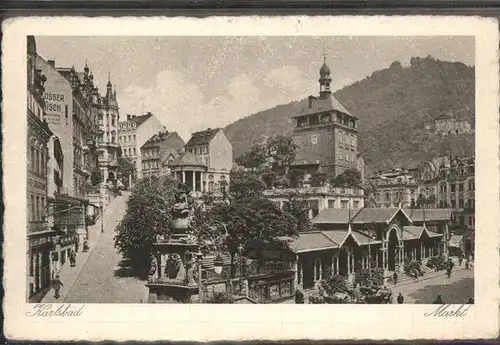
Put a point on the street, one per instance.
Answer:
(454, 290)
(101, 279)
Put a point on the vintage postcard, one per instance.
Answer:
(196, 179)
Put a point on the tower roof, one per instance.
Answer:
(324, 70)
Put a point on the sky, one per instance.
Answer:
(192, 83)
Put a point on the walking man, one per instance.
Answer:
(395, 277)
(57, 283)
(72, 258)
(401, 299)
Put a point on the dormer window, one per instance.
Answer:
(302, 122)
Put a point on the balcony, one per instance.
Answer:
(38, 226)
(326, 190)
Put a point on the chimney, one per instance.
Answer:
(129, 117)
(52, 63)
(311, 98)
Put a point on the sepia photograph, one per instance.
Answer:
(169, 169)
(251, 170)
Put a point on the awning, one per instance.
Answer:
(455, 241)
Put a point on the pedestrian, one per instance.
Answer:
(57, 283)
(401, 299)
(460, 259)
(76, 245)
(72, 258)
(395, 277)
(438, 300)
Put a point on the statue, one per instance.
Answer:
(153, 268)
(191, 271)
(173, 266)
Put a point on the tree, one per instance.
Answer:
(253, 222)
(255, 158)
(282, 150)
(269, 177)
(295, 176)
(333, 284)
(125, 169)
(318, 179)
(350, 178)
(245, 184)
(149, 213)
(370, 191)
(298, 208)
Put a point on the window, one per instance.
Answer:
(453, 188)
(387, 196)
(33, 210)
(355, 204)
(33, 159)
(471, 185)
(331, 203)
(461, 203)
(37, 162)
(314, 139)
(134, 151)
(37, 209)
(134, 137)
(344, 203)
(42, 205)
(341, 154)
(461, 187)
(453, 203)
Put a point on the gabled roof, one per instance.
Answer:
(187, 159)
(139, 120)
(430, 215)
(377, 215)
(311, 241)
(415, 232)
(334, 216)
(203, 137)
(323, 104)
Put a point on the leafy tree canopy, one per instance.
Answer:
(245, 184)
(350, 178)
(282, 149)
(148, 214)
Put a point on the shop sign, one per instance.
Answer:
(75, 216)
(35, 242)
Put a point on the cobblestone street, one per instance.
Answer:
(99, 280)
(454, 290)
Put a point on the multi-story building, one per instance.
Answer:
(326, 133)
(212, 148)
(394, 187)
(449, 182)
(160, 150)
(40, 237)
(320, 198)
(447, 124)
(134, 132)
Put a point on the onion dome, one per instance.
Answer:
(325, 70)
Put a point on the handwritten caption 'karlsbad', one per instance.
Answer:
(48, 310)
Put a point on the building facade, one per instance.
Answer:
(447, 124)
(395, 187)
(213, 150)
(320, 198)
(160, 151)
(40, 238)
(371, 237)
(326, 133)
(134, 132)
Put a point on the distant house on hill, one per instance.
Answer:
(447, 124)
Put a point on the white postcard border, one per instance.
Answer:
(217, 322)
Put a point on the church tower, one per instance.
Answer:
(326, 133)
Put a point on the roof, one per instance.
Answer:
(187, 159)
(323, 104)
(362, 239)
(412, 232)
(160, 137)
(334, 216)
(429, 215)
(310, 241)
(139, 120)
(377, 215)
(203, 137)
(455, 241)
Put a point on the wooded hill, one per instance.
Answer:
(394, 105)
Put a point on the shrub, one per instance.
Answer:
(333, 284)
(220, 298)
(316, 299)
(363, 277)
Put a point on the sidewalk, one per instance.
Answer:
(406, 280)
(67, 274)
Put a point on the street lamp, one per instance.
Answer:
(102, 216)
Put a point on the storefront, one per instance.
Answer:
(39, 261)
